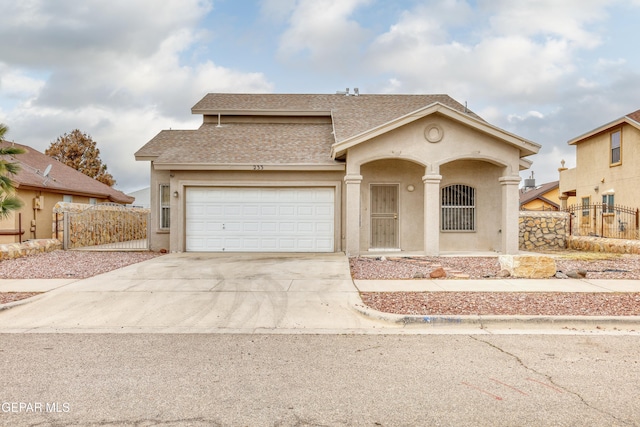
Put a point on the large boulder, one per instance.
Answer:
(528, 266)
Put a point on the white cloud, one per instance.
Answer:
(510, 49)
(321, 31)
(109, 68)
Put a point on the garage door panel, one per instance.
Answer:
(260, 219)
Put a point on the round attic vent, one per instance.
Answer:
(433, 133)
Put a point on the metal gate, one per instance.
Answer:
(603, 220)
(107, 226)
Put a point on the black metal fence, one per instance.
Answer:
(603, 220)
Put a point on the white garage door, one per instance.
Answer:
(259, 219)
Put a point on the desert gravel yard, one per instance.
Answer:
(597, 266)
(64, 265)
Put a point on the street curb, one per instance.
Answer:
(23, 301)
(484, 321)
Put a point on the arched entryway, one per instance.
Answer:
(392, 206)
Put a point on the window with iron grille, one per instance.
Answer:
(458, 208)
(165, 202)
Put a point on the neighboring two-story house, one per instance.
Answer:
(334, 173)
(607, 173)
(607, 164)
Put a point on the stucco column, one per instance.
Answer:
(510, 208)
(563, 202)
(352, 226)
(432, 214)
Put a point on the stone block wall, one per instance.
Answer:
(543, 230)
(91, 225)
(30, 247)
(603, 244)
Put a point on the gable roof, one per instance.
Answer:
(350, 119)
(632, 119)
(61, 179)
(538, 193)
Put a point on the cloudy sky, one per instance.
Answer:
(122, 70)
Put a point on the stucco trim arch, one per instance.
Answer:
(369, 159)
(474, 156)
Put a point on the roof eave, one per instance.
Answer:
(145, 158)
(604, 128)
(525, 164)
(259, 112)
(251, 167)
(55, 190)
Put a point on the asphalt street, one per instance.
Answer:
(319, 380)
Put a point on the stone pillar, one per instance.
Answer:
(510, 209)
(432, 214)
(352, 226)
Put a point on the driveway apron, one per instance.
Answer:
(202, 292)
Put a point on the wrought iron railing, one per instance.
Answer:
(603, 220)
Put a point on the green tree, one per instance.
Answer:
(77, 150)
(8, 200)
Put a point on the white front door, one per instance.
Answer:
(257, 219)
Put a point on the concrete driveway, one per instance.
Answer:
(198, 292)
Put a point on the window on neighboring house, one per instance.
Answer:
(165, 202)
(67, 198)
(586, 201)
(607, 203)
(458, 205)
(93, 201)
(616, 146)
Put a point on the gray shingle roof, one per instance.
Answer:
(246, 143)
(272, 143)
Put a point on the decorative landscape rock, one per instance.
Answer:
(30, 247)
(528, 266)
(576, 274)
(438, 273)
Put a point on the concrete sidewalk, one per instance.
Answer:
(499, 285)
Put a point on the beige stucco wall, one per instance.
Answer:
(181, 180)
(593, 169)
(454, 157)
(43, 224)
(484, 178)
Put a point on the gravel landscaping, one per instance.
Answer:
(597, 266)
(64, 265)
(69, 264)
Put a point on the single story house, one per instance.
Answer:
(543, 197)
(335, 173)
(41, 183)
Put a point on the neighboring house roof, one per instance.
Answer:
(61, 178)
(352, 119)
(632, 119)
(538, 193)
